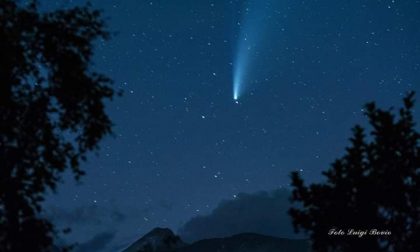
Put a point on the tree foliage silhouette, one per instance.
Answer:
(51, 111)
(375, 185)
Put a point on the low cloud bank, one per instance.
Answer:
(263, 213)
(98, 243)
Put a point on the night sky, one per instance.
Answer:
(182, 144)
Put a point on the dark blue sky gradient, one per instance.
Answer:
(181, 144)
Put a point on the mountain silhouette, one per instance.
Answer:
(164, 240)
(157, 240)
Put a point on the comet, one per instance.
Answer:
(237, 76)
(252, 25)
(241, 65)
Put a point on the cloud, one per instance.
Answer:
(92, 214)
(166, 205)
(95, 220)
(98, 243)
(263, 213)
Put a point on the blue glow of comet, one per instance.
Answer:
(254, 18)
(241, 66)
(237, 80)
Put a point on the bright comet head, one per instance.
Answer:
(236, 84)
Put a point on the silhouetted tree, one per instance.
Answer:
(51, 112)
(375, 185)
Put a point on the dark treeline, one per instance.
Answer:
(51, 112)
(370, 200)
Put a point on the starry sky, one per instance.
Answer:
(182, 144)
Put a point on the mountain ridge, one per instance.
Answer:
(164, 240)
